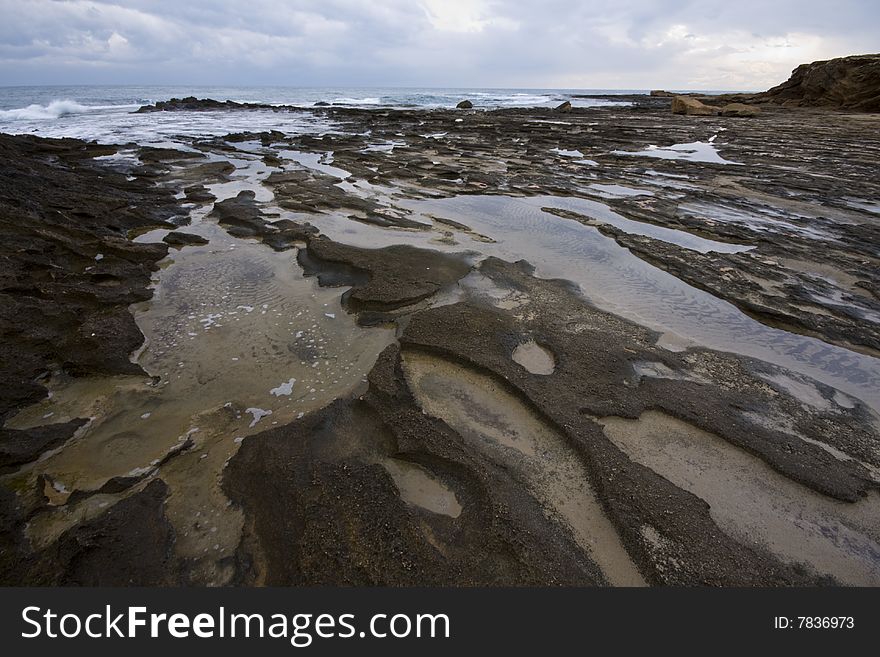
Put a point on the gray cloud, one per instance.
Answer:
(709, 44)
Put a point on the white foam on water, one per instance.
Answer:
(696, 151)
(284, 389)
(258, 414)
(566, 153)
(55, 109)
(356, 101)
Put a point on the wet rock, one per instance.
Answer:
(691, 107)
(198, 194)
(289, 234)
(193, 104)
(396, 276)
(659, 93)
(465, 104)
(202, 174)
(740, 110)
(346, 524)
(266, 137)
(307, 191)
(178, 239)
(153, 155)
(565, 107)
(579, 389)
(768, 293)
(387, 220)
(241, 214)
(346, 519)
(717, 413)
(25, 445)
(15, 555)
(131, 544)
(67, 272)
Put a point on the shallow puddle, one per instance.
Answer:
(618, 191)
(752, 502)
(535, 358)
(238, 342)
(697, 151)
(617, 281)
(420, 488)
(500, 426)
(320, 162)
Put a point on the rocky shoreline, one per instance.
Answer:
(515, 431)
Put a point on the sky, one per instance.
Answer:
(584, 44)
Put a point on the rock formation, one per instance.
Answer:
(850, 83)
(740, 110)
(692, 107)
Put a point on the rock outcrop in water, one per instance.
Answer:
(68, 270)
(847, 83)
(193, 104)
(383, 279)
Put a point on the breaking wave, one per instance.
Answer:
(54, 110)
(356, 101)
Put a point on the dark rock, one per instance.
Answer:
(241, 213)
(193, 104)
(465, 104)
(563, 107)
(151, 155)
(177, 238)
(390, 277)
(266, 138)
(290, 234)
(18, 446)
(68, 273)
(345, 523)
(205, 173)
(659, 93)
(198, 194)
(721, 275)
(131, 544)
(739, 110)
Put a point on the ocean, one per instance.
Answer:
(105, 113)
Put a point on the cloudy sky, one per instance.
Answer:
(676, 44)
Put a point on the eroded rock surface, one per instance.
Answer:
(68, 270)
(518, 430)
(849, 83)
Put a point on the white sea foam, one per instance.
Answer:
(258, 414)
(356, 101)
(55, 110)
(566, 153)
(284, 389)
(698, 151)
(523, 99)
